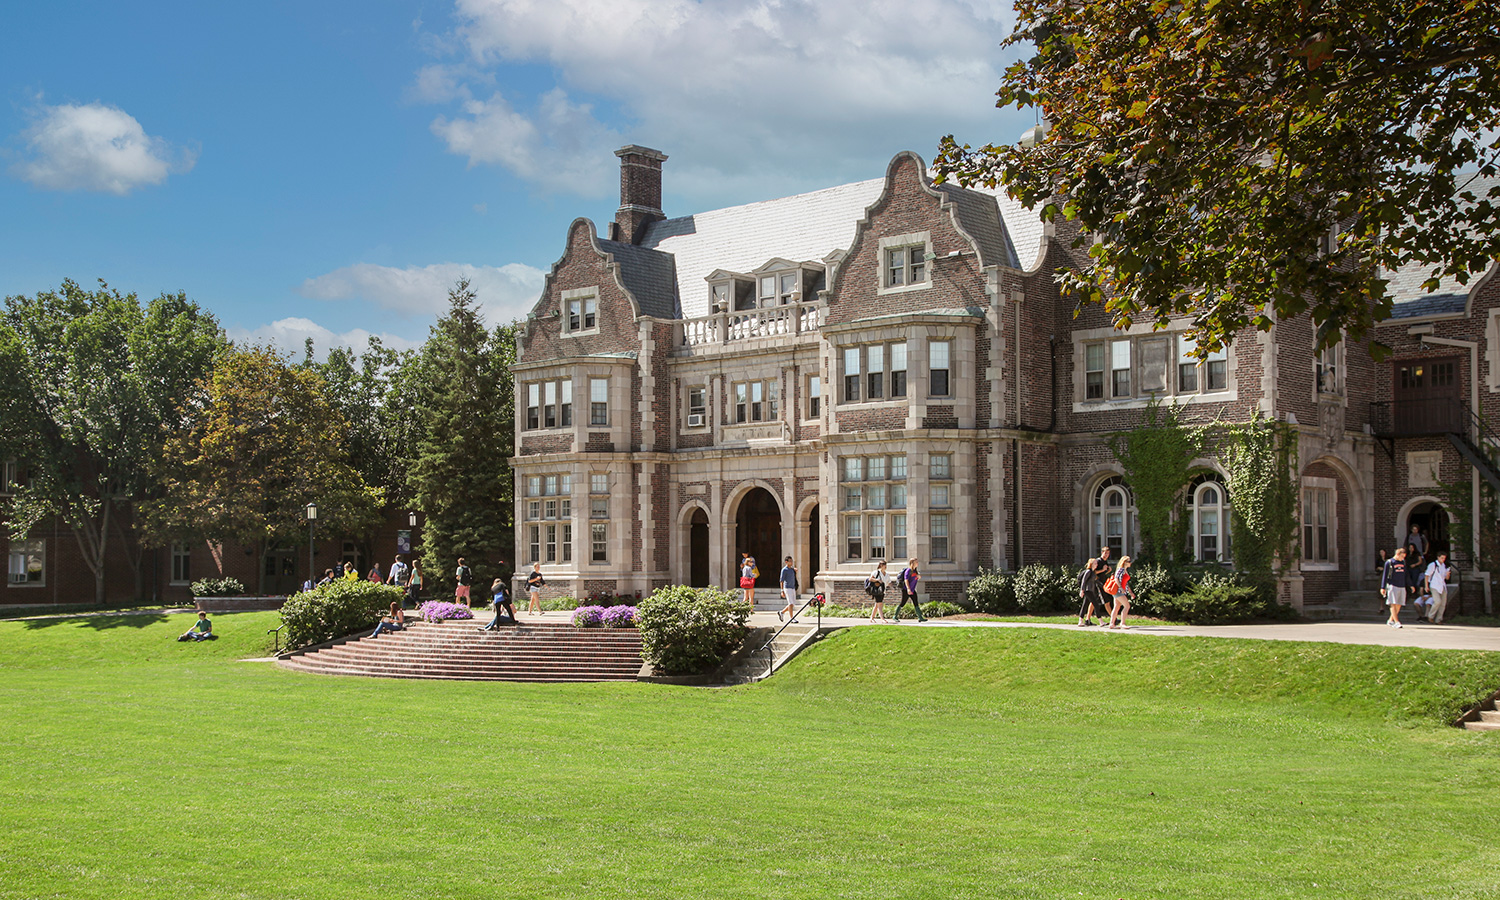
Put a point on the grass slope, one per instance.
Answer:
(884, 763)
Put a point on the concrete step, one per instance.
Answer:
(1482, 726)
(1489, 715)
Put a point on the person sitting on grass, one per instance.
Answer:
(502, 602)
(202, 630)
(395, 620)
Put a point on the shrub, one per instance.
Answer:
(1044, 589)
(439, 610)
(556, 604)
(217, 587)
(1213, 603)
(588, 617)
(1151, 581)
(685, 631)
(993, 592)
(620, 616)
(334, 610)
(939, 608)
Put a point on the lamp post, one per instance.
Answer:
(312, 519)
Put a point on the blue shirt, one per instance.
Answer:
(789, 577)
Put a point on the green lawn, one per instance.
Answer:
(884, 763)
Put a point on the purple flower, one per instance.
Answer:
(588, 616)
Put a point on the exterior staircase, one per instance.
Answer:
(1484, 718)
(755, 665)
(459, 650)
(1360, 606)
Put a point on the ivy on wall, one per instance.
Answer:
(1260, 459)
(1156, 456)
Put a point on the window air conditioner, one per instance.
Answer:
(695, 420)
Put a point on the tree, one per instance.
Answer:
(262, 439)
(461, 475)
(89, 382)
(1213, 148)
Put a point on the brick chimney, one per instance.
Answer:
(640, 193)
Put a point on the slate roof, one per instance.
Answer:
(1410, 300)
(648, 274)
(980, 217)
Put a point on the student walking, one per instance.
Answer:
(749, 571)
(534, 584)
(502, 602)
(908, 582)
(1122, 594)
(1437, 585)
(1088, 593)
(1416, 571)
(375, 577)
(875, 587)
(1393, 586)
(414, 584)
(464, 576)
(400, 575)
(788, 581)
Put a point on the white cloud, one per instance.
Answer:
(95, 147)
(730, 86)
(290, 335)
(505, 292)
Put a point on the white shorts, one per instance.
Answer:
(789, 594)
(1395, 596)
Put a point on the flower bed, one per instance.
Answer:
(438, 610)
(604, 617)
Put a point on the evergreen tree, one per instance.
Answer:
(461, 476)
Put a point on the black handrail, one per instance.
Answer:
(277, 640)
(817, 598)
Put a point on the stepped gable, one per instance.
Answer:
(461, 651)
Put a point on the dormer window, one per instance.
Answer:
(580, 310)
(721, 296)
(904, 262)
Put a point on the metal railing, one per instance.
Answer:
(276, 641)
(817, 601)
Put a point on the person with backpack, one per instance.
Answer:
(1393, 586)
(1118, 586)
(908, 581)
(1088, 593)
(788, 581)
(534, 585)
(463, 576)
(875, 587)
(1437, 587)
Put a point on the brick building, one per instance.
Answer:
(885, 369)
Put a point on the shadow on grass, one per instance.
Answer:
(99, 623)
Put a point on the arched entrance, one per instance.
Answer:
(758, 532)
(697, 548)
(814, 548)
(1432, 519)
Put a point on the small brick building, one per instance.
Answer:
(885, 369)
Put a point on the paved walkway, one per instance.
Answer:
(1440, 637)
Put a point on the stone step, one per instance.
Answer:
(439, 675)
(1482, 726)
(1489, 715)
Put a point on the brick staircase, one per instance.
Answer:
(1359, 606)
(1488, 719)
(459, 650)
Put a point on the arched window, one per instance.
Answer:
(1208, 518)
(1112, 523)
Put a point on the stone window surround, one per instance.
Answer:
(915, 238)
(1331, 485)
(1340, 374)
(960, 513)
(579, 294)
(918, 376)
(1416, 461)
(1139, 401)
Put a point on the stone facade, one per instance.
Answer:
(961, 406)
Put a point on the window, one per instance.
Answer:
(558, 545)
(898, 537)
(1327, 369)
(549, 404)
(939, 475)
(1208, 519)
(582, 314)
(1187, 366)
(598, 401)
(898, 370)
(182, 555)
(599, 534)
(851, 374)
(872, 485)
(814, 396)
(939, 536)
(599, 495)
(549, 485)
(937, 366)
(1317, 525)
(28, 563)
(875, 372)
(1112, 518)
(1093, 378)
(10, 477)
(535, 544)
(1119, 368)
(906, 265)
(697, 406)
(757, 401)
(1216, 371)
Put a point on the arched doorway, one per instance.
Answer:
(758, 532)
(1432, 519)
(814, 547)
(698, 574)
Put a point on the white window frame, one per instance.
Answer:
(598, 543)
(863, 479)
(1198, 510)
(598, 402)
(1100, 511)
(939, 546)
(1314, 488)
(700, 410)
(915, 272)
(1328, 371)
(180, 560)
(580, 312)
(814, 396)
(1108, 363)
(10, 477)
(549, 398)
(947, 367)
(756, 402)
(27, 564)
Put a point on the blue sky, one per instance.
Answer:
(329, 168)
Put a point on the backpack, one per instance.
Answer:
(754, 571)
